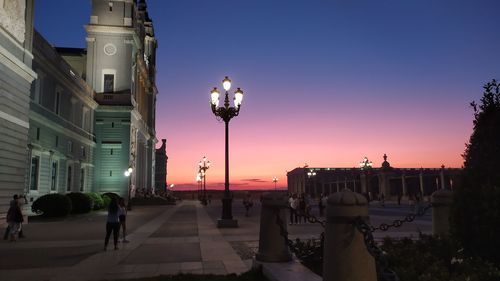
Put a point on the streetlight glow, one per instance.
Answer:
(238, 97)
(226, 83)
(214, 95)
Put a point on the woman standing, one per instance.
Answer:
(122, 211)
(112, 223)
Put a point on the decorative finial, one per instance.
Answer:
(385, 157)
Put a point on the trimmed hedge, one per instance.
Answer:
(52, 205)
(97, 200)
(82, 203)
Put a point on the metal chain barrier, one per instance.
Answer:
(398, 223)
(383, 271)
(309, 250)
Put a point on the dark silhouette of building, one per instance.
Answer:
(161, 167)
(387, 180)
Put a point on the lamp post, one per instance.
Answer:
(198, 181)
(226, 113)
(311, 174)
(275, 180)
(128, 174)
(204, 165)
(365, 165)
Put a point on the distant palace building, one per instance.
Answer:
(76, 119)
(387, 180)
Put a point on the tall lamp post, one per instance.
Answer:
(128, 174)
(226, 113)
(198, 181)
(275, 180)
(204, 165)
(311, 174)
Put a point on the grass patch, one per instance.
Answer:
(252, 275)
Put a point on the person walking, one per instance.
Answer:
(122, 216)
(112, 223)
(293, 203)
(302, 208)
(321, 207)
(324, 202)
(248, 203)
(15, 200)
(14, 219)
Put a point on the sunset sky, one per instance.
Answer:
(326, 82)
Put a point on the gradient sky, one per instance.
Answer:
(326, 82)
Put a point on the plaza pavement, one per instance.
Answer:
(164, 240)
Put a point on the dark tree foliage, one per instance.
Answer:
(475, 219)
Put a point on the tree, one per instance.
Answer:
(475, 219)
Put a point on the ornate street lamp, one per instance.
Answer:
(225, 113)
(128, 174)
(204, 165)
(275, 180)
(365, 164)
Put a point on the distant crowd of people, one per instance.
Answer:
(301, 206)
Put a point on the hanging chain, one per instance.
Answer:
(383, 271)
(312, 219)
(398, 223)
(305, 250)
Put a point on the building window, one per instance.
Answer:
(69, 179)
(82, 179)
(109, 83)
(37, 133)
(110, 173)
(70, 146)
(35, 165)
(111, 152)
(57, 102)
(112, 124)
(83, 151)
(37, 98)
(53, 176)
(57, 141)
(110, 6)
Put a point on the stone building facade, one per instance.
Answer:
(61, 135)
(121, 56)
(72, 119)
(385, 180)
(16, 77)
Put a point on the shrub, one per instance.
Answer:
(435, 259)
(52, 205)
(476, 209)
(81, 202)
(106, 199)
(97, 200)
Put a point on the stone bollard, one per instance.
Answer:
(441, 203)
(272, 245)
(345, 257)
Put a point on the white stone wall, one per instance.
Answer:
(12, 17)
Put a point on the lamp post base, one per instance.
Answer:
(227, 223)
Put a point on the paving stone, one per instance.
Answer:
(191, 266)
(164, 253)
